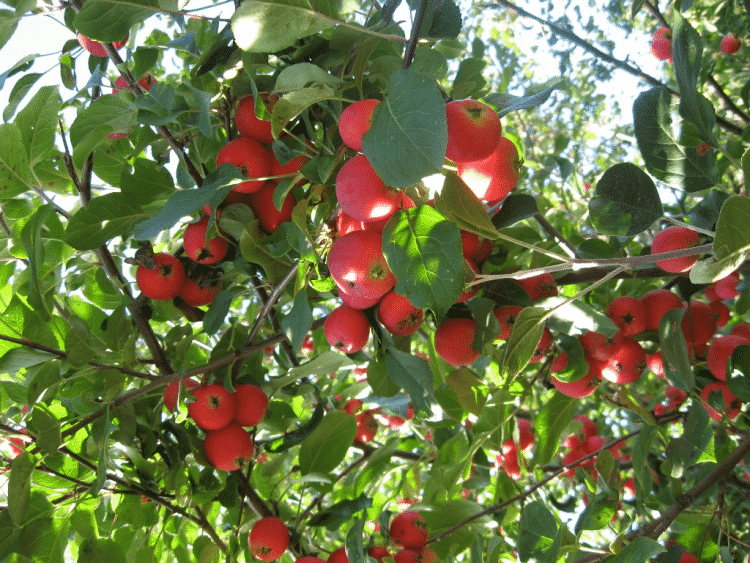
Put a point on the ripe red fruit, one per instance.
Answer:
(214, 407)
(291, 167)
(362, 193)
(559, 363)
(719, 352)
(367, 426)
(628, 314)
(732, 405)
(251, 158)
(355, 121)
(262, 203)
(688, 557)
(196, 296)
(228, 448)
(526, 436)
(407, 556)
(347, 329)
(506, 316)
(248, 124)
(96, 48)
(198, 249)
(474, 130)
(596, 346)
(471, 271)
(627, 361)
(539, 287)
(352, 406)
(721, 313)
(309, 559)
(251, 403)
(454, 341)
(164, 281)
(171, 392)
(398, 315)
(657, 302)
(356, 301)
(474, 249)
(675, 238)
(494, 177)
(661, 48)
(730, 44)
(409, 530)
(698, 324)
(338, 556)
(545, 342)
(378, 552)
(582, 387)
(655, 364)
(268, 538)
(356, 263)
(145, 82)
(741, 329)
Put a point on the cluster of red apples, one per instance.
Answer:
(661, 45)
(224, 416)
(486, 161)
(269, 539)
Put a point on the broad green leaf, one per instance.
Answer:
(105, 115)
(19, 486)
(35, 247)
(459, 204)
(470, 390)
(326, 447)
(738, 373)
(667, 160)
(78, 344)
(327, 362)
(341, 512)
(554, 417)
(8, 24)
(378, 379)
(146, 181)
(578, 317)
(107, 216)
(111, 20)
(303, 75)
(15, 178)
(443, 20)
(686, 450)
(640, 550)
(354, 544)
(626, 201)
(413, 375)
(469, 79)
(641, 469)
(19, 91)
(411, 119)
(48, 430)
(539, 538)
(524, 338)
(731, 244)
(705, 213)
(84, 522)
(516, 207)
(506, 103)
(100, 550)
(296, 324)
(424, 252)
(597, 514)
(677, 368)
(294, 103)
(38, 122)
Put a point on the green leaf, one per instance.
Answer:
(539, 538)
(597, 514)
(48, 430)
(34, 245)
(294, 103)
(469, 79)
(267, 27)
(516, 207)
(641, 469)
(554, 417)
(640, 550)
(291, 439)
(412, 118)
(106, 217)
(687, 51)
(327, 362)
(578, 317)
(626, 201)
(354, 544)
(8, 24)
(524, 338)
(100, 550)
(424, 252)
(686, 450)
(738, 373)
(341, 512)
(506, 103)
(470, 390)
(667, 160)
(303, 75)
(677, 368)
(413, 375)
(78, 345)
(111, 20)
(38, 122)
(84, 522)
(15, 178)
(378, 380)
(92, 126)
(19, 487)
(731, 245)
(459, 204)
(445, 21)
(636, 7)
(326, 447)
(296, 324)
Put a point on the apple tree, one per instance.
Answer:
(330, 281)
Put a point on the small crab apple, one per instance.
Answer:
(494, 177)
(474, 130)
(628, 314)
(196, 295)
(698, 324)
(720, 351)
(627, 361)
(213, 408)
(310, 559)
(252, 158)
(398, 315)
(471, 271)
(539, 287)
(688, 557)
(545, 342)
(145, 82)
(198, 249)
(355, 121)
(356, 301)
(732, 405)
(228, 448)
(251, 404)
(268, 538)
(721, 313)
(338, 556)
(171, 391)
(96, 48)
(362, 193)
(730, 44)
(409, 530)
(672, 238)
(347, 329)
(655, 364)
(661, 48)
(378, 552)
(582, 387)
(162, 282)
(656, 303)
(506, 316)
(262, 203)
(454, 341)
(356, 263)
(367, 426)
(352, 406)
(248, 124)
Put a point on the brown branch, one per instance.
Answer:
(411, 46)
